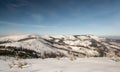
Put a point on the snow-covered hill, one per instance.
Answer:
(58, 46)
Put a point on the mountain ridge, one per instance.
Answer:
(38, 46)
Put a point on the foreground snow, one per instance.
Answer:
(63, 65)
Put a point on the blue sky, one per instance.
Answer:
(99, 17)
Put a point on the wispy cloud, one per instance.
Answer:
(14, 6)
(25, 25)
(37, 17)
(17, 4)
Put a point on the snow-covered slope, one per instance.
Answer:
(58, 46)
(62, 65)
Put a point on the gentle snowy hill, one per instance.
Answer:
(46, 46)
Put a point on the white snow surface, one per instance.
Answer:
(31, 45)
(63, 65)
(39, 43)
(78, 42)
(16, 37)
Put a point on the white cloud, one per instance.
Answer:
(26, 25)
(37, 17)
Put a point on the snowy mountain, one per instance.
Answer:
(46, 46)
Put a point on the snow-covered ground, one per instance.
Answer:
(63, 65)
(59, 45)
(52, 47)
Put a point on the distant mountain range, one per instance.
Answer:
(113, 37)
(51, 46)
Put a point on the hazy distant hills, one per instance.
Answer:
(113, 37)
(45, 46)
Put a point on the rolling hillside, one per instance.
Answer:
(51, 46)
